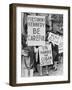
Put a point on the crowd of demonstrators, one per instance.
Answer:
(33, 52)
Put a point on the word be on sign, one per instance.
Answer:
(36, 30)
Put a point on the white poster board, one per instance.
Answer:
(60, 46)
(45, 53)
(54, 38)
(36, 30)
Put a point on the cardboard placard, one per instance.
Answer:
(60, 46)
(36, 30)
(54, 38)
(45, 53)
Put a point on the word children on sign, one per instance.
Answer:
(45, 53)
(36, 30)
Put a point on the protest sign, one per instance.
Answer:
(45, 54)
(36, 30)
(55, 39)
(60, 46)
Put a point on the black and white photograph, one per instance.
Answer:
(41, 44)
(40, 53)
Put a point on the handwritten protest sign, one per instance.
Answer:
(54, 38)
(36, 30)
(60, 46)
(45, 53)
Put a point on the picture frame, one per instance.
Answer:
(31, 19)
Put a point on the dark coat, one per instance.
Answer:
(55, 52)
